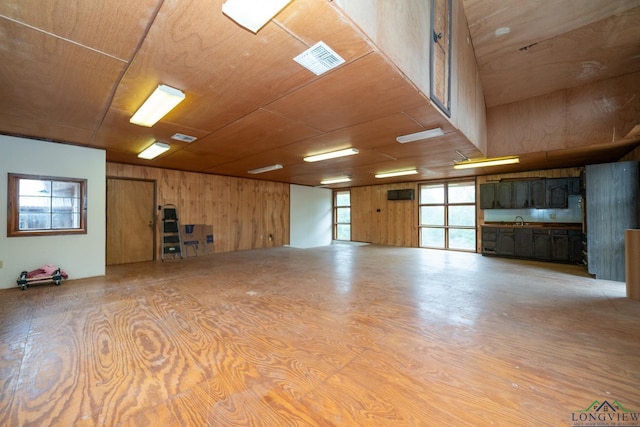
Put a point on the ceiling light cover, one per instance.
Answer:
(481, 163)
(265, 169)
(431, 133)
(253, 14)
(319, 58)
(398, 173)
(154, 150)
(331, 155)
(335, 180)
(161, 101)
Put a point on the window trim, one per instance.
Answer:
(13, 207)
(446, 227)
(335, 215)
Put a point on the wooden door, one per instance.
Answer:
(130, 221)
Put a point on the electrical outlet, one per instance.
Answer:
(552, 216)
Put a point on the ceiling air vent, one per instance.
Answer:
(184, 138)
(319, 58)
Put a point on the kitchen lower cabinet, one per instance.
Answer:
(560, 245)
(542, 244)
(506, 242)
(537, 243)
(523, 241)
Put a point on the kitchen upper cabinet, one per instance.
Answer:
(503, 195)
(574, 186)
(487, 196)
(521, 194)
(557, 193)
(538, 193)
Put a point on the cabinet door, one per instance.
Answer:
(521, 194)
(489, 240)
(557, 193)
(523, 239)
(503, 190)
(576, 247)
(538, 193)
(542, 244)
(560, 245)
(506, 242)
(487, 196)
(574, 186)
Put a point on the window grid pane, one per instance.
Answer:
(342, 215)
(46, 204)
(448, 215)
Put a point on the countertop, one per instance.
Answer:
(554, 225)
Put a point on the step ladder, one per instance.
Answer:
(171, 241)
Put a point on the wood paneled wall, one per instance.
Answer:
(243, 212)
(396, 222)
(587, 115)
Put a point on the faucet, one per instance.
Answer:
(521, 222)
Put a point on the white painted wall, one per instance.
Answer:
(79, 255)
(310, 216)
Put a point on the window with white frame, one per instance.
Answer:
(342, 215)
(448, 215)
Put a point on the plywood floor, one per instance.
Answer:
(334, 336)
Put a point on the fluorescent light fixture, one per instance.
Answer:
(161, 101)
(154, 150)
(398, 173)
(331, 155)
(481, 163)
(431, 133)
(253, 14)
(335, 180)
(265, 169)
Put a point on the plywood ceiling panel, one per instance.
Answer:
(328, 103)
(113, 27)
(51, 80)
(75, 72)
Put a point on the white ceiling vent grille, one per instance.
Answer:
(183, 137)
(319, 58)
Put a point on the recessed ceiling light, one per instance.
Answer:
(253, 14)
(331, 155)
(426, 134)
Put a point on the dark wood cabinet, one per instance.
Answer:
(538, 193)
(560, 245)
(521, 194)
(575, 186)
(506, 242)
(487, 196)
(523, 241)
(542, 244)
(576, 247)
(489, 240)
(557, 190)
(503, 195)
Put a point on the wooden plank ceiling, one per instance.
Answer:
(75, 72)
